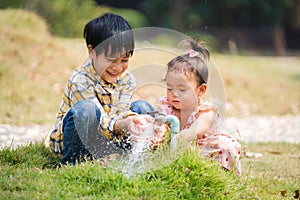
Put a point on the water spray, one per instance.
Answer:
(136, 160)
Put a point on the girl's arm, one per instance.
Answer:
(199, 127)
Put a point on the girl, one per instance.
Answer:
(186, 80)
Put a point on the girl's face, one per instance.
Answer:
(109, 68)
(182, 91)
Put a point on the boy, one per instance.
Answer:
(94, 119)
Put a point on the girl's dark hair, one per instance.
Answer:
(192, 65)
(111, 34)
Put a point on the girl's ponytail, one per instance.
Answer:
(192, 46)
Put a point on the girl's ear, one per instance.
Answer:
(202, 89)
(90, 51)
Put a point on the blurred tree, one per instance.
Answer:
(66, 17)
(179, 9)
(134, 4)
(127, 9)
(11, 3)
(294, 15)
(157, 12)
(185, 14)
(262, 13)
(292, 24)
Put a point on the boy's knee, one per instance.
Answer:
(141, 107)
(83, 104)
(86, 108)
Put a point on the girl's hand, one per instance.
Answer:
(159, 129)
(156, 142)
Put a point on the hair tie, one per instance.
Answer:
(191, 53)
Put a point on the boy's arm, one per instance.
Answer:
(127, 88)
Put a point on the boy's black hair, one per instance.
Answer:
(111, 34)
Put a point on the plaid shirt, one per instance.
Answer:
(113, 100)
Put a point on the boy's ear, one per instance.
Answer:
(90, 51)
(202, 89)
(90, 48)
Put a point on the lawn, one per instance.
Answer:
(28, 173)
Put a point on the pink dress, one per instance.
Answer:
(220, 147)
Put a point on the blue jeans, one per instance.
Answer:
(81, 137)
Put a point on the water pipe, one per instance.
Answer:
(174, 129)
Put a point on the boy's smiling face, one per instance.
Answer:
(111, 68)
(108, 67)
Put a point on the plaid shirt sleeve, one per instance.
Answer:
(127, 87)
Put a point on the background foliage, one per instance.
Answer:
(66, 18)
(249, 24)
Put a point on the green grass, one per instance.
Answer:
(276, 171)
(27, 173)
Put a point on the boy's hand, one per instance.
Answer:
(137, 125)
(133, 125)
